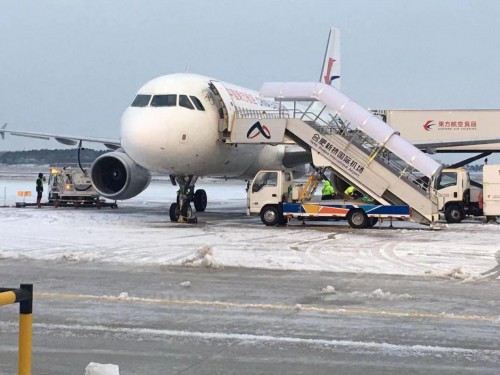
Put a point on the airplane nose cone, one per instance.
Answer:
(143, 136)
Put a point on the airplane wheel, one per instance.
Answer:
(200, 200)
(187, 211)
(453, 214)
(357, 219)
(174, 214)
(270, 215)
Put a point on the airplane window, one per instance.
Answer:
(185, 102)
(164, 101)
(197, 103)
(141, 101)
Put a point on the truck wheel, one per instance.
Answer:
(357, 219)
(372, 221)
(453, 214)
(270, 215)
(174, 214)
(200, 200)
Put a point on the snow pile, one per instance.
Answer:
(457, 273)
(100, 369)
(76, 257)
(185, 284)
(123, 295)
(328, 290)
(203, 257)
(380, 294)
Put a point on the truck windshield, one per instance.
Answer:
(447, 179)
(265, 179)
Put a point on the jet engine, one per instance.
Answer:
(116, 176)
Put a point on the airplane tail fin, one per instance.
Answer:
(2, 131)
(330, 73)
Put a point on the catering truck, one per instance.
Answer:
(459, 199)
(490, 197)
(275, 196)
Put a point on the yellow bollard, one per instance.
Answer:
(24, 296)
(25, 334)
(25, 331)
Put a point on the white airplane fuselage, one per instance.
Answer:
(178, 140)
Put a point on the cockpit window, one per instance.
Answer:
(197, 103)
(164, 101)
(185, 102)
(141, 101)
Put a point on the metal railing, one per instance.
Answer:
(327, 124)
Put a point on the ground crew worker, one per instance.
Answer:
(350, 192)
(39, 189)
(328, 191)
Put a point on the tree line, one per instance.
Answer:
(44, 156)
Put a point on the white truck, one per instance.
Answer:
(458, 199)
(275, 196)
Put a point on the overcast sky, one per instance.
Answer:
(72, 66)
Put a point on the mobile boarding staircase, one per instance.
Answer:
(358, 146)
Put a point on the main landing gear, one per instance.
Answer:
(181, 210)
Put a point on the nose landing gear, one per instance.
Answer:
(181, 211)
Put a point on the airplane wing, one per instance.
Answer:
(432, 147)
(112, 144)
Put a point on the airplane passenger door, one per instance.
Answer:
(226, 109)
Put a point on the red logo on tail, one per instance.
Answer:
(327, 77)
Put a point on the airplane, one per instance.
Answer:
(178, 125)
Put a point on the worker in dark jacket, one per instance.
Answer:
(39, 189)
(328, 191)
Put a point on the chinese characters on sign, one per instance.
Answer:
(457, 125)
(341, 157)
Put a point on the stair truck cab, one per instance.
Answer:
(275, 196)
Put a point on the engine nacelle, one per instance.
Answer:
(116, 176)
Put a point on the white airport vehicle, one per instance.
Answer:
(276, 197)
(491, 191)
(355, 144)
(458, 199)
(71, 186)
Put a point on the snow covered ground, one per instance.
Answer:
(140, 232)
